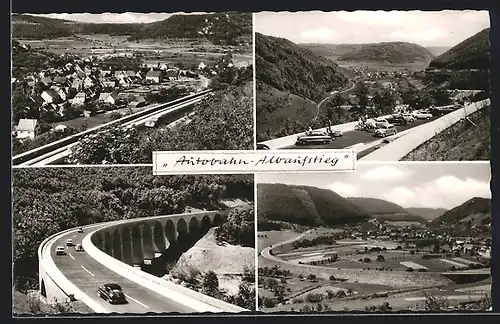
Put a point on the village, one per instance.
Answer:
(114, 83)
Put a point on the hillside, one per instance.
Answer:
(477, 210)
(437, 50)
(287, 66)
(472, 53)
(427, 213)
(385, 210)
(34, 27)
(305, 205)
(220, 28)
(387, 52)
(290, 81)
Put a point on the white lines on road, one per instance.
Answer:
(71, 256)
(74, 235)
(138, 302)
(90, 273)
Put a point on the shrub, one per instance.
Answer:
(332, 277)
(409, 269)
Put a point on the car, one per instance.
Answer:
(69, 242)
(112, 293)
(261, 146)
(397, 120)
(60, 250)
(386, 130)
(336, 133)
(80, 230)
(408, 117)
(422, 115)
(314, 137)
(79, 248)
(379, 122)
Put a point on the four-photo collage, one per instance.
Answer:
(95, 98)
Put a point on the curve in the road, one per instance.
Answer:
(349, 88)
(80, 274)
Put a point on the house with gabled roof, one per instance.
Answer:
(172, 74)
(88, 82)
(51, 96)
(47, 81)
(26, 128)
(108, 97)
(79, 99)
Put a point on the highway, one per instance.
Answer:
(88, 274)
(353, 137)
(349, 87)
(58, 150)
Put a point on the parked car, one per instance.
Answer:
(386, 130)
(422, 115)
(397, 120)
(314, 137)
(112, 293)
(79, 248)
(60, 250)
(69, 242)
(262, 147)
(337, 133)
(408, 117)
(379, 122)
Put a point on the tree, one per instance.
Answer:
(211, 283)
(380, 258)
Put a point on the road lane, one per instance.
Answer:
(354, 137)
(88, 274)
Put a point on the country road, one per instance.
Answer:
(349, 88)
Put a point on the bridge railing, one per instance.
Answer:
(26, 156)
(197, 301)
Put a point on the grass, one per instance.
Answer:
(266, 238)
(460, 142)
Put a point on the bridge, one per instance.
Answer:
(129, 253)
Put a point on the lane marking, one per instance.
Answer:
(71, 256)
(90, 273)
(138, 302)
(74, 235)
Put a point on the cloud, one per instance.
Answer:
(344, 189)
(385, 173)
(422, 35)
(373, 17)
(107, 17)
(447, 192)
(318, 35)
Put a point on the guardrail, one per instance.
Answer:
(402, 146)
(197, 301)
(26, 156)
(58, 278)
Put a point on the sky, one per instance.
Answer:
(114, 18)
(427, 28)
(430, 185)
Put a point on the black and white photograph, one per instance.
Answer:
(394, 85)
(386, 238)
(96, 240)
(111, 88)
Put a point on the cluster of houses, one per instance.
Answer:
(81, 82)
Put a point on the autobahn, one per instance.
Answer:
(58, 150)
(353, 137)
(88, 274)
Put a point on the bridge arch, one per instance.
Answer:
(137, 254)
(117, 245)
(182, 227)
(147, 241)
(158, 237)
(217, 220)
(127, 246)
(205, 225)
(194, 227)
(170, 231)
(108, 246)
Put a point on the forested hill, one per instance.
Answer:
(47, 201)
(286, 66)
(305, 205)
(472, 53)
(476, 210)
(230, 28)
(385, 52)
(35, 27)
